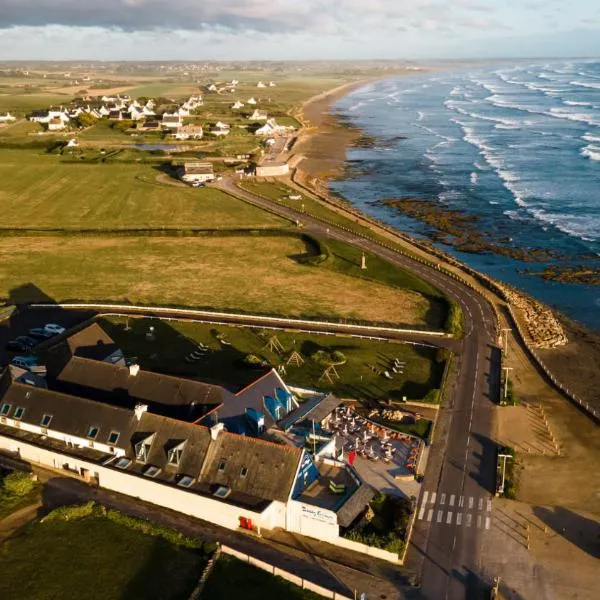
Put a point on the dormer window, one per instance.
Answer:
(174, 454)
(19, 411)
(92, 432)
(142, 449)
(46, 420)
(243, 472)
(5, 408)
(222, 464)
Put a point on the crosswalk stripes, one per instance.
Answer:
(464, 507)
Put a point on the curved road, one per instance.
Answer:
(460, 475)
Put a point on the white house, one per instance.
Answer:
(196, 172)
(258, 115)
(56, 124)
(237, 105)
(271, 84)
(48, 115)
(260, 84)
(136, 113)
(220, 129)
(7, 118)
(188, 132)
(171, 121)
(72, 143)
(104, 111)
(271, 128)
(251, 101)
(211, 88)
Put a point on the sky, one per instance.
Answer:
(296, 29)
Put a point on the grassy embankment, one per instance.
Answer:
(231, 578)
(86, 552)
(17, 490)
(360, 376)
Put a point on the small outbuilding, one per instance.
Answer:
(196, 172)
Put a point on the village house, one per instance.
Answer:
(237, 105)
(272, 169)
(136, 113)
(258, 115)
(7, 118)
(46, 116)
(271, 128)
(56, 124)
(173, 441)
(271, 84)
(219, 129)
(251, 101)
(260, 84)
(117, 115)
(188, 132)
(149, 125)
(171, 121)
(196, 172)
(211, 88)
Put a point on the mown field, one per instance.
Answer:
(95, 558)
(37, 190)
(251, 273)
(361, 376)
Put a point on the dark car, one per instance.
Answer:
(23, 343)
(40, 333)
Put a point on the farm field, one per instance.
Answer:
(225, 363)
(37, 190)
(261, 274)
(56, 559)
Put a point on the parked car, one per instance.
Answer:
(24, 362)
(40, 333)
(23, 343)
(54, 328)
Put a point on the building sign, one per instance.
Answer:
(316, 514)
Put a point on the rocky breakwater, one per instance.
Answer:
(542, 326)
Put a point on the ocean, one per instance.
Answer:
(516, 145)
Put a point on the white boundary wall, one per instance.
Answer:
(295, 579)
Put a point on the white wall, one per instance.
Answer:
(312, 521)
(149, 490)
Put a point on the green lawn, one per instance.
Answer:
(174, 340)
(231, 578)
(95, 558)
(20, 104)
(37, 190)
(17, 490)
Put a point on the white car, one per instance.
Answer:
(54, 328)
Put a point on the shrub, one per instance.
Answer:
(74, 512)
(454, 321)
(18, 484)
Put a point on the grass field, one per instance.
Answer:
(39, 191)
(19, 104)
(95, 558)
(251, 273)
(231, 578)
(224, 364)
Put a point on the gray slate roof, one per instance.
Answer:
(355, 505)
(324, 408)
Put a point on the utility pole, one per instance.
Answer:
(504, 456)
(505, 330)
(506, 370)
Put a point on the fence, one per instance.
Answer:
(276, 571)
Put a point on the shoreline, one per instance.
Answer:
(321, 154)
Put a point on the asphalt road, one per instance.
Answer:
(462, 459)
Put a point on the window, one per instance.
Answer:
(19, 412)
(5, 408)
(152, 471)
(186, 481)
(174, 454)
(123, 463)
(222, 492)
(222, 464)
(142, 449)
(113, 438)
(92, 432)
(46, 420)
(244, 472)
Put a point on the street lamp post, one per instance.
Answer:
(506, 370)
(504, 456)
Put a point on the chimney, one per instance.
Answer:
(139, 410)
(134, 369)
(215, 430)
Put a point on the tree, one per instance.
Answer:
(85, 120)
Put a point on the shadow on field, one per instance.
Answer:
(575, 528)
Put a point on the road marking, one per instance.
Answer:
(433, 496)
(489, 505)
(421, 512)
(425, 494)
(461, 501)
(469, 519)
(439, 516)
(449, 518)
(470, 502)
(459, 518)
(452, 499)
(443, 499)
(430, 514)
(487, 522)
(478, 521)
(480, 504)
